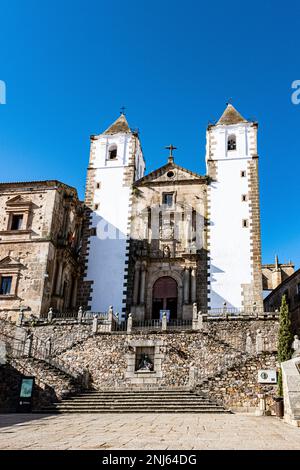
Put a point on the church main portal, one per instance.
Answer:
(165, 293)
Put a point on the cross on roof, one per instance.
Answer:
(122, 110)
(171, 148)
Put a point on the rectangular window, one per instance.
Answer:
(98, 186)
(168, 199)
(16, 222)
(244, 197)
(93, 232)
(243, 173)
(5, 285)
(96, 207)
(245, 223)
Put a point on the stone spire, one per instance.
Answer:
(231, 116)
(119, 126)
(276, 262)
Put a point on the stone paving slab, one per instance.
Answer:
(146, 431)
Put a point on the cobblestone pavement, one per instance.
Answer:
(146, 431)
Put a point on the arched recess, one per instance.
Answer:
(175, 276)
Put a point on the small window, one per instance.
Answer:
(98, 186)
(231, 142)
(96, 207)
(243, 173)
(93, 232)
(112, 152)
(244, 197)
(5, 285)
(245, 223)
(170, 174)
(16, 222)
(168, 199)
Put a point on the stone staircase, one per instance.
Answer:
(136, 401)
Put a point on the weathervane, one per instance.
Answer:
(229, 101)
(171, 148)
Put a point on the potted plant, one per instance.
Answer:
(285, 339)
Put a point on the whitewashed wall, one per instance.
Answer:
(108, 254)
(230, 244)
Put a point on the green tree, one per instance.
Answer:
(285, 339)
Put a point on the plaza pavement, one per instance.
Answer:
(146, 431)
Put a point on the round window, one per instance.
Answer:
(170, 174)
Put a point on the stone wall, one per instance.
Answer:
(217, 353)
(50, 384)
(238, 388)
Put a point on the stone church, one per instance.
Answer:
(172, 238)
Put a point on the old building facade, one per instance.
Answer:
(275, 274)
(290, 287)
(173, 238)
(40, 237)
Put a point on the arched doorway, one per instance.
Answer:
(164, 297)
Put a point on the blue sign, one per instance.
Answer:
(164, 312)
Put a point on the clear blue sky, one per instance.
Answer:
(70, 65)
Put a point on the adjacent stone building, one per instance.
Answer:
(290, 287)
(275, 274)
(40, 237)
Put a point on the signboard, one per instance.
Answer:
(163, 312)
(25, 396)
(267, 376)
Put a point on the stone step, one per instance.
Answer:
(135, 401)
(125, 405)
(145, 393)
(137, 410)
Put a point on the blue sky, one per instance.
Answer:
(70, 65)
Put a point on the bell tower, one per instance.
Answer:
(234, 244)
(116, 161)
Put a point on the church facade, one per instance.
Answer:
(173, 238)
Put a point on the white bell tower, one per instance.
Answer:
(116, 161)
(234, 247)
